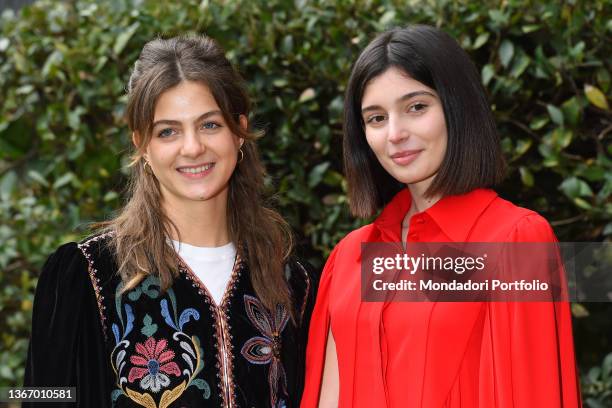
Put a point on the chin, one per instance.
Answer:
(411, 178)
(407, 178)
(201, 197)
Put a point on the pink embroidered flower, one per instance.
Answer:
(155, 361)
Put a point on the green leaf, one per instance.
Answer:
(561, 138)
(522, 146)
(287, 44)
(307, 95)
(603, 79)
(280, 82)
(8, 184)
(530, 28)
(520, 65)
(574, 187)
(124, 37)
(526, 176)
(555, 114)
(387, 18)
(577, 50)
(582, 203)
(596, 97)
(63, 180)
(571, 110)
(110, 196)
(77, 149)
(488, 71)
(506, 52)
(538, 122)
(498, 17)
(607, 367)
(316, 174)
(50, 67)
(480, 40)
(594, 374)
(4, 44)
(36, 176)
(74, 117)
(579, 310)
(6, 372)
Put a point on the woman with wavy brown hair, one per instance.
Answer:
(189, 296)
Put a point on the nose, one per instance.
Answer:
(193, 145)
(397, 129)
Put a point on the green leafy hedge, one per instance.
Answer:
(64, 66)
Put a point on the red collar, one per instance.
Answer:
(455, 215)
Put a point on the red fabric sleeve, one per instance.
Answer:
(317, 337)
(527, 357)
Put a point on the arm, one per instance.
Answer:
(317, 350)
(330, 385)
(66, 345)
(528, 352)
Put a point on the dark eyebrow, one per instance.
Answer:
(400, 99)
(176, 122)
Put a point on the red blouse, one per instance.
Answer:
(442, 354)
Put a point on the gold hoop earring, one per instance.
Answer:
(147, 167)
(241, 155)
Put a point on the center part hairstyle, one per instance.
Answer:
(141, 230)
(473, 156)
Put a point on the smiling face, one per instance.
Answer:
(404, 126)
(192, 151)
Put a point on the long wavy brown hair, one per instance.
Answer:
(141, 229)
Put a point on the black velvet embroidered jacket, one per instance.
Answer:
(156, 350)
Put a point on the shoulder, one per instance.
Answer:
(516, 223)
(66, 259)
(347, 252)
(76, 262)
(96, 246)
(532, 227)
(64, 273)
(98, 252)
(352, 241)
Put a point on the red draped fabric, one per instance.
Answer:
(437, 354)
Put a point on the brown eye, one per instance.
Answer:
(375, 119)
(417, 107)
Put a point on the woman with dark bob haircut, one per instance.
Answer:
(190, 296)
(420, 144)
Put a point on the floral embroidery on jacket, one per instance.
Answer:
(266, 349)
(154, 361)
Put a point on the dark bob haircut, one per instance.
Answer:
(473, 156)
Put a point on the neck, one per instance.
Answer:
(420, 202)
(200, 223)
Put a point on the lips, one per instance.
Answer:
(196, 171)
(405, 157)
